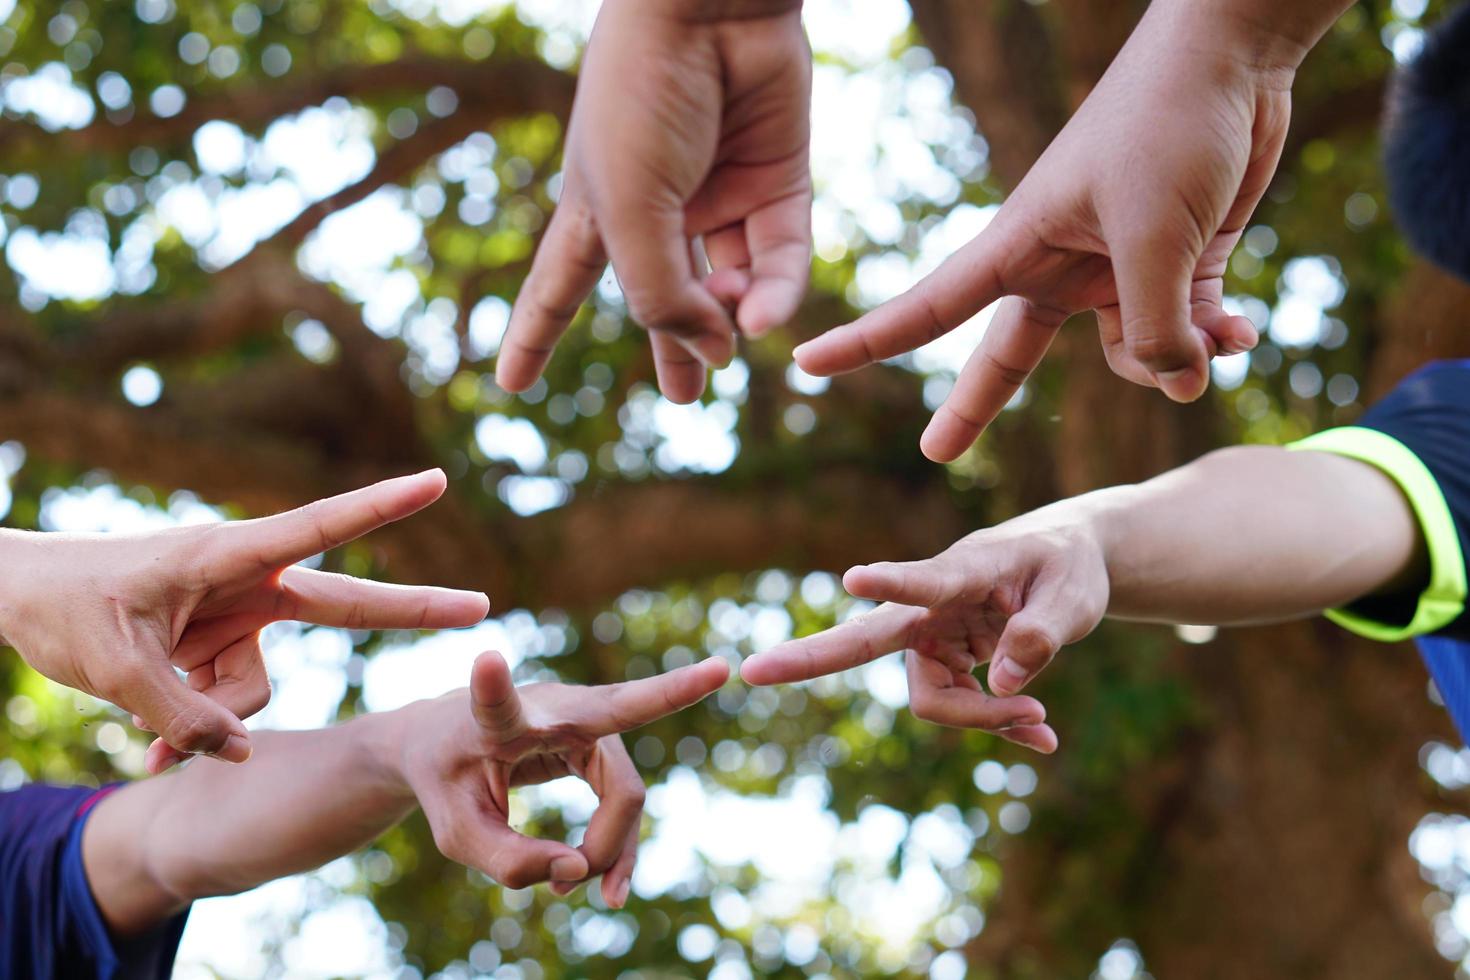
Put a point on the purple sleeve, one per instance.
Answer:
(49, 922)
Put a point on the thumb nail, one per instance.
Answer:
(622, 896)
(1006, 674)
(567, 868)
(236, 749)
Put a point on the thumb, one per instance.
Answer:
(493, 697)
(1055, 613)
(189, 721)
(1154, 275)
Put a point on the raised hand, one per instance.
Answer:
(462, 760)
(1132, 212)
(115, 614)
(691, 121)
(1011, 596)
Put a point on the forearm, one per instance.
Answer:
(12, 566)
(1252, 534)
(303, 799)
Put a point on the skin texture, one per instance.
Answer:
(1132, 213)
(1196, 545)
(115, 614)
(691, 122)
(148, 853)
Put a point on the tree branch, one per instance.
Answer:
(501, 86)
(612, 537)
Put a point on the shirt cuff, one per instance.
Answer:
(1443, 600)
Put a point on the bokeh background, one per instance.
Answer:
(260, 252)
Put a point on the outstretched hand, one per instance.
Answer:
(691, 122)
(462, 765)
(1011, 596)
(1132, 212)
(115, 614)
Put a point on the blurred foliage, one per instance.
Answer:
(1323, 232)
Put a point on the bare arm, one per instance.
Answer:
(1243, 535)
(1132, 212)
(304, 798)
(1254, 534)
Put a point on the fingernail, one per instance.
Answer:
(1011, 669)
(566, 868)
(622, 896)
(236, 749)
(1006, 675)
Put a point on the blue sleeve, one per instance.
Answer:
(1419, 434)
(50, 925)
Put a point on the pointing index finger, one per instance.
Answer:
(274, 542)
(963, 285)
(847, 645)
(615, 708)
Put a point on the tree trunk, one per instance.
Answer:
(1270, 838)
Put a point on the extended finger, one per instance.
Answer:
(274, 542)
(963, 285)
(851, 644)
(614, 708)
(1010, 349)
(328, 599)
(568, 263)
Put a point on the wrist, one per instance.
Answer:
(381, 741)
(1269, 36)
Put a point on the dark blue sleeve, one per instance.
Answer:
(50, 925)
(1429, 413)
(1419, 434)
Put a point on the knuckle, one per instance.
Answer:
(450, 844)
(1035, 642)
(657, 313)
(191, 731)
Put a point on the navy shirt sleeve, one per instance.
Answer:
(50, 925)
(1419, 434)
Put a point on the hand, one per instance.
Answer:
(462, 765)
(115, 614)
(1131, 212)
(691, 119)
(1012, 595)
